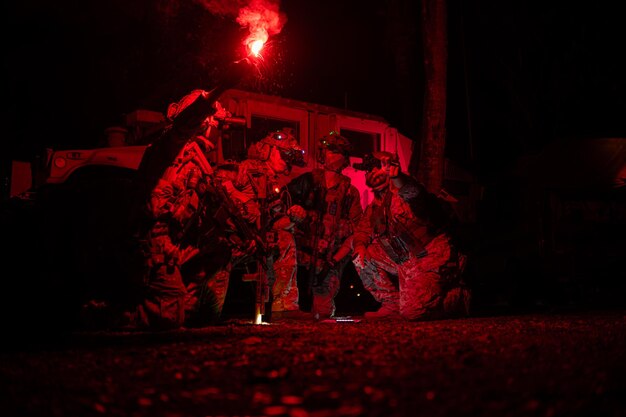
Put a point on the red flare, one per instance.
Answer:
(255, 46)
(263, 18)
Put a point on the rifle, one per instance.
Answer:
(314, 255)
(336, 261)
(229, 211)
(400, 241)
(317, 227)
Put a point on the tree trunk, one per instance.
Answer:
(429, 162)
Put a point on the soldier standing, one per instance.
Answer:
(254, 185)
(333, 207)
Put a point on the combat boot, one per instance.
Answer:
(387, 311)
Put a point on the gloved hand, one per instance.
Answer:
(391, 165)
(361, 256)
(283, 223)
(297, 213)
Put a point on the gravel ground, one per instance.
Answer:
(570, 364)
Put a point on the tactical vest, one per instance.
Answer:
(405, 231)
(331, 205)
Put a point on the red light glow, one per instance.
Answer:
(255, 46)
(262, 18)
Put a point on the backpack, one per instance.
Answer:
(437, 211)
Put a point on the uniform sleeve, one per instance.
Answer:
(363, 230)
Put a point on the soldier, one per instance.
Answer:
(333, 206)
(404, 233)
(176, 204)
(254, 185)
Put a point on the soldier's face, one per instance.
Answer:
(334, 161)
(277, 163)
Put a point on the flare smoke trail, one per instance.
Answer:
(263, 18)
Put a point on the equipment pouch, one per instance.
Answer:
(412, 244)
(394, 248)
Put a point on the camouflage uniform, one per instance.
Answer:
(172, 207)
(400, 240)
(254, 185)
(177, 205)
(332, 210)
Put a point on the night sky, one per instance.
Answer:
(521, 74)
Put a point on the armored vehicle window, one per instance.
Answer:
(362, 142)
(261, 126)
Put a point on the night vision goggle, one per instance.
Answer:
(374, 160)
(279, 135)
(293, 156)
(290, 152)
(368, 164)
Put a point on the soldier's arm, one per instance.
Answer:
(355, 211)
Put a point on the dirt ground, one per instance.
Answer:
(558, 364)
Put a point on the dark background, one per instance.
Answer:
(521, 74)
(527, 81)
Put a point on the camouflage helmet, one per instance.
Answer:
(334, 142)
(204, 124)
(282, 138)
(285, 141)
